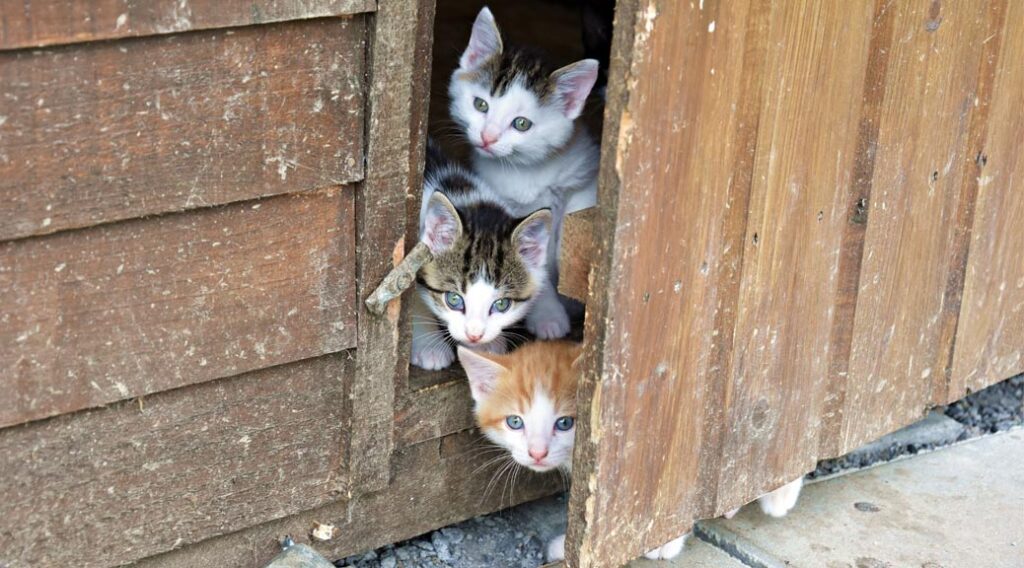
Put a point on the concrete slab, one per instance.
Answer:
(696, 554)
(962, 506)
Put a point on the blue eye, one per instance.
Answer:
(454, 301)
(514, 422)
(565, 423)
(501, 305)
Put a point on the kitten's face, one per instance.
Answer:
(486, 267)
(525, 401)
(509, 104)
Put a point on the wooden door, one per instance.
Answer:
(793, 195)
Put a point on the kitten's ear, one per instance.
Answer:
(441, 224)
(484, 43)
(573, 84)
(531, 238)
(483, 372)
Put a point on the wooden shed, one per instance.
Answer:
(809, 232)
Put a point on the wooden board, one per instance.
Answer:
(990, 333)
(432, 412)
(396, 137)
(435, 483)
(108, 486)
(28, 23)
(122, 310)
(576, 261)
(760, 175)
(114, 130)
(918, 213)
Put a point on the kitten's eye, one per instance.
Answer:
(480, 104)
(521, 123)
(565, 423)
(454, 301)
(514, 422)
(501, 305)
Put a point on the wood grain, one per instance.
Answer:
(396, 136)
(123, 310)
(109, 486)
(115, 130)
(28, 23)
(433, 412)
(990, 335)
(436, 483)
(576, 261)
(899, 351)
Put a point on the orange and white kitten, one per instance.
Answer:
(525, 402)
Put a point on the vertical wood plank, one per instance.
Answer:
(922, 196)
(399, 71)
(990, 334)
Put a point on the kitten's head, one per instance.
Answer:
(486, 269)
(526, 401)
(509, 102)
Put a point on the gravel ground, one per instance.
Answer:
(516, 537)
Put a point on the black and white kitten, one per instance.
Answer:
(519, 115)
(487, 269)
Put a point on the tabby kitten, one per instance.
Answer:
(525, 402)
(487, 268)
(519, 116)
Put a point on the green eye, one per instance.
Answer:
(454, 301)
(501, 305)
(514, 422)
(521, 123)
(565, 423)
(480, 104)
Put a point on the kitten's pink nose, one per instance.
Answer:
(474, 337)
(487, 138)
(538, 455)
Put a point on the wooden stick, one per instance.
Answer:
(399, 278)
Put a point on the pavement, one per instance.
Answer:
(960, 506)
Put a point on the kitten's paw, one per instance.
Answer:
(782, 500)
(548, 324)
(434, 357)
(556, 549)
(669, 550)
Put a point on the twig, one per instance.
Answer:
(399, 278)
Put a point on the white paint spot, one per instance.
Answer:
(711, 27)
(121, 388)
(47, 221)
(121, 21)
(60, 267)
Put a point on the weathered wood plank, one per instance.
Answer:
(990, 334)
(734, 122)
(28, 23)
(396, 134)
(817, 60)
(108, 486)
(433, 412)
(123, 310)
(576, 260)
(922, 189)
(435, 483)
(114, 130)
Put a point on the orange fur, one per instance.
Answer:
(548, 365)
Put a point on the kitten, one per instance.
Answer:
(519, 115)
(525, 402)
(487, 268)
